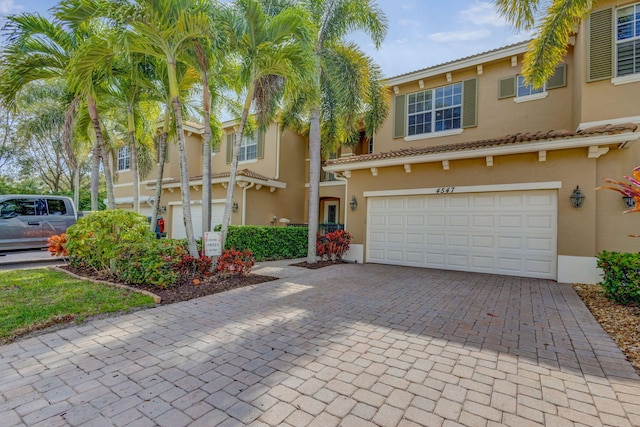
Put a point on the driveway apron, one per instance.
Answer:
(345, 345)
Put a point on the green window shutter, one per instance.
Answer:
(600, 45)
(260, 147)
(400, 117)
(229, 147)
(559, 78)
(470, 103)
(507, 87)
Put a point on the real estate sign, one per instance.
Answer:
(212, 243)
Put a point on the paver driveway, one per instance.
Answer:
(349, 344)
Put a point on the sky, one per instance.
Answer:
(422, 33)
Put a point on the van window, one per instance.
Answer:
(57, 207)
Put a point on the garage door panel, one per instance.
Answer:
(483, 221)
(436, 221)
(458, 221)
(510, 243)
(484, 242)
(415, 238)
(395, 237)
(415, 220)
(511, 233)
(510, 221)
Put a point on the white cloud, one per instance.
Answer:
(7, 7)
(482, 13)
(459, 36)
(409, 23)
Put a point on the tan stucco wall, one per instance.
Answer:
(576, 227)
(601, 100)
(496, 117)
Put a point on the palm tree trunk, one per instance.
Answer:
(134, 160)
(162, 151)
(95, 175)
(206, 156)
(93, 114)
(184, 170)
(314, 182)
(237, 142)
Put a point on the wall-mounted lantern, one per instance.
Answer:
(577, 197)
(353, 203)
(629, 202)
(234, 207)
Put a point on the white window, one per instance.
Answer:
(628, 40)
(435, 110)
(528, 90)
(124, 158)
(248, 148)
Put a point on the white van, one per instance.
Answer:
(28, 220)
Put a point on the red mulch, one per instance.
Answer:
(185, 289)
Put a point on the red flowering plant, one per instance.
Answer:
(233, 262)
(57, 245)
(333, 245)
(631, 188)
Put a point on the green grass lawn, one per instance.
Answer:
(37, 298)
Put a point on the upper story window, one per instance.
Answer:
(124, 158)
(628, 40)
(248, 149)
(435, 110)
(527, 90)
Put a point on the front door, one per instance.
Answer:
(331, 212)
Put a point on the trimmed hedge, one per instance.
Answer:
(621, 276)
(268, 242)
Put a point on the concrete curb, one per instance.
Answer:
(155, 297)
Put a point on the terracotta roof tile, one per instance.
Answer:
(519, 138)
(244, 172)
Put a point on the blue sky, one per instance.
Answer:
(421, 33)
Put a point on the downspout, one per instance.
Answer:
(278, 137)
(244, 202)
(340, 177)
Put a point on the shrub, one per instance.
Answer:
(186, 264)
(57, 245)
(333, 245)
(94, 240)
(152, 262)
(235, 262)
(621, 276)
(269, 242)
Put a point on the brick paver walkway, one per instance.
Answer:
(349, 345)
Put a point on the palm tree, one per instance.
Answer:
(38, 49)
(163, 29)
(275, 58)
(553, 27)
(349, 83)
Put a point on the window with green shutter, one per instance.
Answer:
(507, 87)
(400, 116)
(470, 103)
(600, 45)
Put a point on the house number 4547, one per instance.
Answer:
(444, 190)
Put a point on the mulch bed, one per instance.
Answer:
(621, 322)
(317, 264)
(185, 289)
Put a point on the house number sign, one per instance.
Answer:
(445, 190)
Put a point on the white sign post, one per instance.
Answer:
(212, 243)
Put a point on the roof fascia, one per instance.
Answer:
(458, 65)
(490, 151)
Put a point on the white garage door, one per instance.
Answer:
(512, 233)
(177, 219)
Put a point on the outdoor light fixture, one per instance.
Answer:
(234, 207)
(353, 203)
(163, 209)
(629, 202)
(577, 198)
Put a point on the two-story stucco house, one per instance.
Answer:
(270, 182)
(475, 170)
